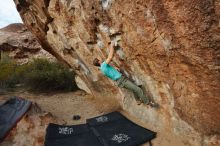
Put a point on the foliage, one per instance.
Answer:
(38, 75)
(44, 75)
(7, 68)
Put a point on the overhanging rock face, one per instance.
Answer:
(170, 47)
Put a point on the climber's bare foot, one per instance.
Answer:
(153, 104)
(138, 102)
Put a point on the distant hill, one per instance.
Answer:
(20, 44)
(13, 27)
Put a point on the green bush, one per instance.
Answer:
(44, 75)
(7, 69)
(38, 75)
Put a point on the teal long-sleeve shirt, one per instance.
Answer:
(110, 71)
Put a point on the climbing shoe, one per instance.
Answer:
(76, 117)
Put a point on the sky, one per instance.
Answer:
(8, 13)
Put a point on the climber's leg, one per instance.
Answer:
(125, 83)
(120, 82)
(136, 90)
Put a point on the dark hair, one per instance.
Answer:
(96, 62)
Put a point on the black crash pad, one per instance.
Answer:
(115, 130)
(108, 130)
(10, 113)
(76, 135)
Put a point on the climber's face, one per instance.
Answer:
(100, 62)
(97, 62)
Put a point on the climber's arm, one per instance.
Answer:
(110, 55)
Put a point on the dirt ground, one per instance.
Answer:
(64, 105)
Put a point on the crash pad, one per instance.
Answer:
(75, 135)
(116, 130)
(10, 113)
(111, 129)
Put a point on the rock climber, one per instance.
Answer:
(122, 81)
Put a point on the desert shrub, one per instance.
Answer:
(7, 69)
(38, 75)
(43, 75)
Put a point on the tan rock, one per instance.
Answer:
(20, 44)
(171, 47)
(31, 129)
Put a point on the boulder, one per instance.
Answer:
(31, 129)
(19, 43)
(169, 47)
